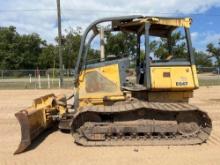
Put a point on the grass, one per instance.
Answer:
(22, 83)
(211, 82)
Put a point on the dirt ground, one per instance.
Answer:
(58, 148)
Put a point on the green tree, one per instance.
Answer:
(214, 51)
(178, 44)
(120, 44)
(19, 51)
(48, 57)
(8, 47)
(71, 45)
(30, 48)
(202, 59)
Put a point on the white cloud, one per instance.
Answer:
(84, 12)
(211, 37)
(200, 40)
(194, 36)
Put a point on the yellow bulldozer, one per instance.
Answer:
(113, 108)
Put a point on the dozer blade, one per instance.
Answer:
(37, 118)
(28, 130)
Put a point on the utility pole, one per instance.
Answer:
(60, 43)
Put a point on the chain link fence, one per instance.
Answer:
(34, 79)
(49, 79)
(208, 76)
(214, 70)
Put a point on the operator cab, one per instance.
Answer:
(154, 50)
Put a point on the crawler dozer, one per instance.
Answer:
(115, 108)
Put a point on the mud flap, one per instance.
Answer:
(36, 119)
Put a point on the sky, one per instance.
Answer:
(39, 16)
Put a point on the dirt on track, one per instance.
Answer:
(55, 147)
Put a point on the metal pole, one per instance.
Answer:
(102, 47)
(2, 74)
(48, 80)
(138, 58)
(147, 78)
(39, 81)
(60, 43)
(169, 38)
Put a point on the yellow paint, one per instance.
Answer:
(110, 72)
(46, 105)
(196, 81)
(43, 101)
(174, 96)
(115, 98)
(181, 78)
(178, 22)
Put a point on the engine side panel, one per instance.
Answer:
(99, 83)
(173, 78)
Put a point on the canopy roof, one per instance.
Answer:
(160, 26)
